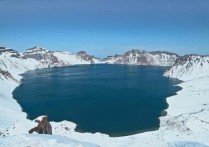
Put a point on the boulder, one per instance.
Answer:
(44, 127)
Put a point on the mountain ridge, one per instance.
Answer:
(189, 67)
(142, 57)
(40, 57)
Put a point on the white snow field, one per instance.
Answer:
(185, 125)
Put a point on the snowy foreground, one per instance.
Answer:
(186, 122)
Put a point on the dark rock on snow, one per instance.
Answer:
(44, 127)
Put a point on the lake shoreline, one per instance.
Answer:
(97, 138)
(126, 100)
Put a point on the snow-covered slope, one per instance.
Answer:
(35, 140)
(12, 62)
(189, 67)
(138, 57)
(186, 122)
(78, 58)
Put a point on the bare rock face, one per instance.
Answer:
(44, 127)
(10, 51)
(141, 57)
(84, 56)
(189, 67)
(49, 58)
(7, 75)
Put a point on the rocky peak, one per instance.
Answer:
(116, 55)
(189, 67)
(13, 53)
(81, 53)
(190, 58)
(36, 48)
(141, 57)
(134, 52)
(44, 127)
(37, 53)
(84, 56)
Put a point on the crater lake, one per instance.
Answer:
(117, 100)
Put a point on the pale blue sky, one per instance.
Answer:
(106, 27)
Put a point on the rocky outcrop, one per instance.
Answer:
(12, 52)
(141, 57)
(44, 127)
(58, 58)
(6, 75)
(35, 53)
(84, 56)
(189, 67)
(40, 54)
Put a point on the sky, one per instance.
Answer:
(106, 27)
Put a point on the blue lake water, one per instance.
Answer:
(113, 99)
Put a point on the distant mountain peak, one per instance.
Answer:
(189, 66)
(134, 51)
(141, 57)
(81, 52)
(36, 49)
(9, 51)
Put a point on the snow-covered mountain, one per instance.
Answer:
(12, 63)
(58, 58)
(11, 52)
(186, 122)
(189, 67)
(135, 56)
